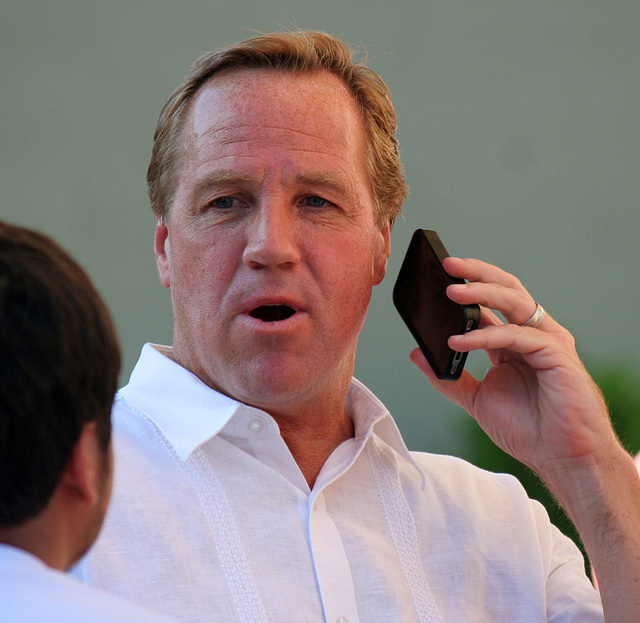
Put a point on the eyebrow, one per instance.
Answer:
(216, 178)
(233, 178)
(326, 180)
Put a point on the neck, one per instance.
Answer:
(311, 440)
(42, 539)
(312, 424)
(313, 428)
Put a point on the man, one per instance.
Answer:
(256, 480)
(59, 363)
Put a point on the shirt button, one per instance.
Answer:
(342, 620)
(256, 426)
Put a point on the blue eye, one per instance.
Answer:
(314, 201)
(224, 203)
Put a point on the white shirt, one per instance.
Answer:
(212, 520)
(31, 592)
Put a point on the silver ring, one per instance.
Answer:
(537, 318)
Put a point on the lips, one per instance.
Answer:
(272, 313)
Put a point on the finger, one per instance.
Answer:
(541, 350)
(503, 290)
(494, 288)
(477, 270)
(461, 392)
(516, 306)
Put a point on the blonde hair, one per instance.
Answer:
(297, 52)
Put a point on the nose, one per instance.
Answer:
(272, 238)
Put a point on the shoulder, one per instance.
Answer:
(478, 495)
(452, 472)
(62, 598)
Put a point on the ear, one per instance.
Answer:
(83, 475)
(381, 253)
(161, 248)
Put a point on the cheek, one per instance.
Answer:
(203, 283)
(351, 282)
(200, 258)
(351, 263)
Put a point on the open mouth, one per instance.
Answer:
(272, 313)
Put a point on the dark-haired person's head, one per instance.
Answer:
(59, 365)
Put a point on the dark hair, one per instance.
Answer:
(59, 365)
(303, 52)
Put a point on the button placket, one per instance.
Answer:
(331, 564)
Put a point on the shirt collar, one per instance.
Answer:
(371, 416)
(14, 556)
(189, 413)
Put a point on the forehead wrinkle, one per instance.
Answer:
(192, 148)
(217, 125)
(226, 133)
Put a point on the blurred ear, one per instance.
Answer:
(160, 247)
(83, 475)
(382, 251)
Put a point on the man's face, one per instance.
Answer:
(271, 247)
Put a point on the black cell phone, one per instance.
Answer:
(420, 298)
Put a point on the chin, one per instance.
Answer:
(275, 391)
(271, 391)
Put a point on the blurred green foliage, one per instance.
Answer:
(620, 384)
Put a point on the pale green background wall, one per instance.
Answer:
(519, 127)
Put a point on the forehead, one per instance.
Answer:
(265, 108)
